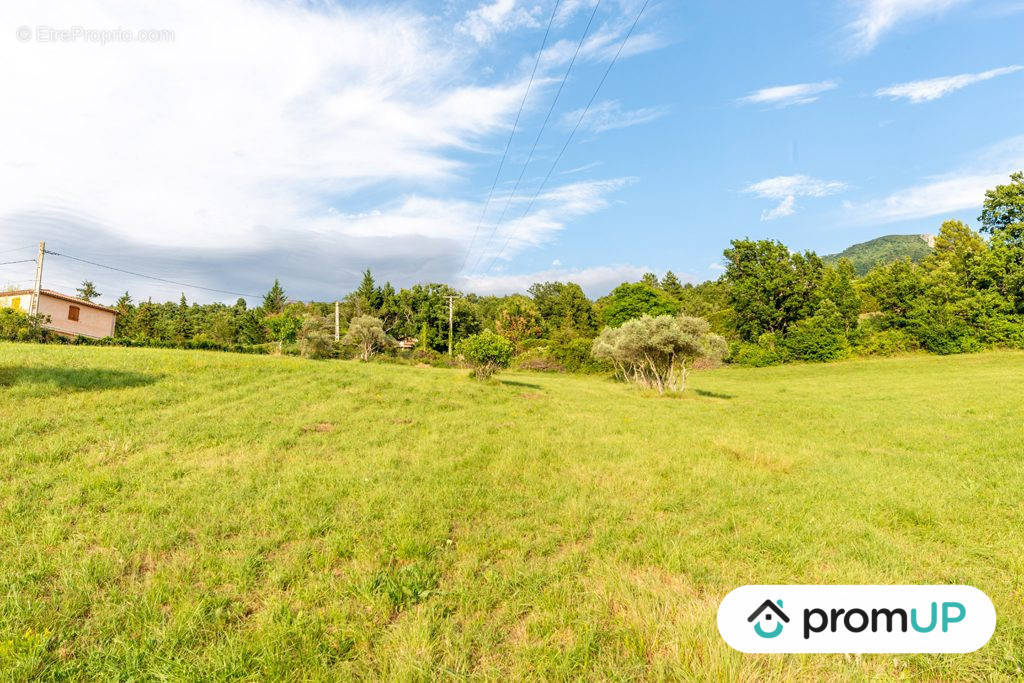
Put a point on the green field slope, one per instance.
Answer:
(882, 250)
(194, 515)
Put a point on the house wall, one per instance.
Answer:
(20, 302)
(91, 322)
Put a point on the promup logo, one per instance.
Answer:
(856, 619)
(765, 613)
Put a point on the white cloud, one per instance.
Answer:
(716, 266)
(595, 281)
(788, 95)
(787, 207)
(875, 18)
(556, 263)
(491, 19)
(786, 189)
(255, 140)
(934, 88)
(609, 115)
(943, 195)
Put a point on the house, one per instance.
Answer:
(68, 315)
(407, 343)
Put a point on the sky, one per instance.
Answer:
(230, 142)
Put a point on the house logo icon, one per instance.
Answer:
(765, 615)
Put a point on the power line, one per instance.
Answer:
(508, 144)
(7, 251)
(529, 158)
(571, 135)
(8, 263)
(152, 277)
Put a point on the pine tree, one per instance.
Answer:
(651, 280)
(88, 291)
(274, 300)
(670, 283)
(366, 296)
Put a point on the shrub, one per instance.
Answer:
(487, 352)
(653, 352)
(821, 338)
(16, 325)
(537, 360)
(316, 340)
(764, 353)
(886, 343)
(574, 353)
(367, 334)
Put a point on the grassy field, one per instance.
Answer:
(181, 514)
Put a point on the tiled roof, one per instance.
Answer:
(65, 297)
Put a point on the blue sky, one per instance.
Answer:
(307, 141)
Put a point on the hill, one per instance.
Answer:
(886, 249)
(211, 516)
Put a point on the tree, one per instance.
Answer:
(651, 280)
(837, 285)
(821, 337)
(671, 285)
(487, 352)
(653, 351)
(771, 287)
(1003, 207)
(518, 320)
(88, 291)
(275, 299)
(564, 306)
(633, 300)
(316, 338)
(125, 321)
(367, 334)
(366, 297)
(959, 249)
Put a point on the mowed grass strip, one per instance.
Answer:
(173, 514)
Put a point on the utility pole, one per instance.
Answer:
(451, 300)
(34, 305)
(337, 322)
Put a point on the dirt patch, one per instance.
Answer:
(320, 427)
(531, 395)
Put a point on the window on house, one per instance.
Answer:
(73, 312)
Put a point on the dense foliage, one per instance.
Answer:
(883, 250)
(487, 353)
(772, 305)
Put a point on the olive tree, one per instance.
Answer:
(367, 334)
(316, 340)
(487, 352)
(653, 352)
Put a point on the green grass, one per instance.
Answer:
(174, 514)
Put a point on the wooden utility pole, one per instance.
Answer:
(37, 287)
(451, 300)
(337, 322)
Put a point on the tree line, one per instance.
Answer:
(771, 305)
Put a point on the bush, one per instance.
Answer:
(538, 360)
(886, 343)
(16, 325)
(367, 334)
(316, 340)
(764, 353)
(820, 338)
(574, 354)
(487, 352)
(653, 352)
